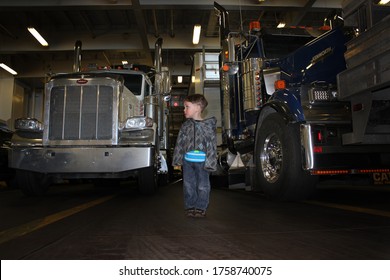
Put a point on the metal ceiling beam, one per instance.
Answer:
(139, 15)
(156, 33)
(7, 32)
(171, 29)
(87, 23)
(294, 18)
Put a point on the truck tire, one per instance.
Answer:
(32, 183)
(278, 161)
(147, 181)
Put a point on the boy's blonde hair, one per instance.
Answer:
(198, 99)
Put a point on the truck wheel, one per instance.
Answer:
(147, 180)
(32, 183)
(278, 161)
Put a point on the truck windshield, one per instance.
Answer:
(133, 83)
(273, 46)
(276, 46)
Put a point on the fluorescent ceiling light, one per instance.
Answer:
(37, 36)
(383, 2)
(196, 36)
(5, 67)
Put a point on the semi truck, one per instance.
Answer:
(102, 125)
(296, 109)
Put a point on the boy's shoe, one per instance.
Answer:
(190, 212)
(198, 213)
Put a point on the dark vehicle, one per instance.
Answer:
(321, 110)
(6, 173)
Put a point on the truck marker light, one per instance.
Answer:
(317, 149)
(319, 136)
(324, 28)
(346, 171)
(329, 172)
(382, 170)
(254, 25)
(82, 81)
(225, 67)
(280, 84)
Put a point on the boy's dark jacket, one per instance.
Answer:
(197, 135)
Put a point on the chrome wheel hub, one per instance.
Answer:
(271, 158)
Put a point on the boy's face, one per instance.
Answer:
(192, 110)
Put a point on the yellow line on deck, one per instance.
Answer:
(21, 230)
(351, 208)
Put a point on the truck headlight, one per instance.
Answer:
(138, 122)
(28, 124)
(320, 94)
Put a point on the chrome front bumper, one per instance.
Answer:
(81, 159)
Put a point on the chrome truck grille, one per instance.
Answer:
(81, 114)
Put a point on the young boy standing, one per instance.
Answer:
(196, 152)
